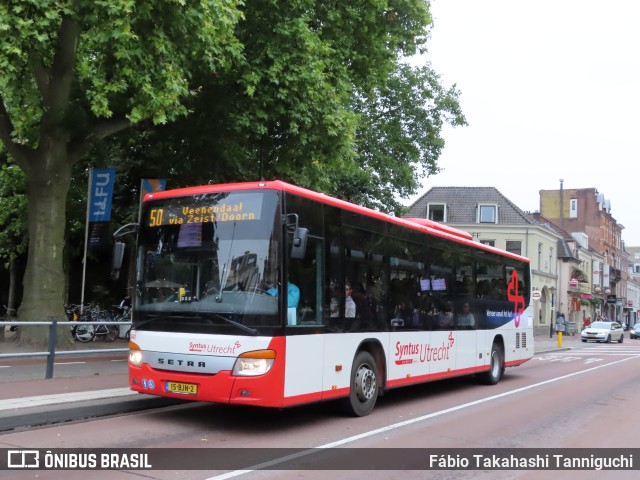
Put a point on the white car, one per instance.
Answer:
(603, 332)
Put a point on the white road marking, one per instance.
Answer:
(395, 426)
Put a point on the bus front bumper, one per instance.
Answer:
(263, 390)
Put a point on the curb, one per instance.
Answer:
(46, 415)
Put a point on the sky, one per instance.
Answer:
(550, 90)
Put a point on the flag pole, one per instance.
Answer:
(86, 241)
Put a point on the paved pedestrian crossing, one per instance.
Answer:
(592, 353)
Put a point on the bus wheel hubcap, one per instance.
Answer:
(365, 384)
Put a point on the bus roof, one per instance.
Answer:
(439, 226)
(422, 224)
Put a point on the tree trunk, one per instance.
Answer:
(48, 179)
(11, 300)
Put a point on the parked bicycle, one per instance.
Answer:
(123, 314)
(88, 333)
(11, 334)
(73, 314)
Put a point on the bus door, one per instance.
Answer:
(304, 364)
(466, 335)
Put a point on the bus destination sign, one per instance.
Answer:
(240, 208)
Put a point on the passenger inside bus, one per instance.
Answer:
(293, 298)
(350, 308)
(467, 287)
(445, 316)
(349, 304)
(364, 318)
(293, 294)
(465, 318)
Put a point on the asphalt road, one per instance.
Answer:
(569, 398)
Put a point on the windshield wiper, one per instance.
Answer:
(144, 322)
(242, 327)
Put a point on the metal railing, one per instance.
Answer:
(51, 342)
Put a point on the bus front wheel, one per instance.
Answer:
(364, 385)
(496, 366)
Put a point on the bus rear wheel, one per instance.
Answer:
(364, 385)
(496, 366)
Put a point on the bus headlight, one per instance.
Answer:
(254, 363)
(135, 355)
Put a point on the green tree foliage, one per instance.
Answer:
(399, 138)
(76, 71)
(13, 218)
(13, 227)
(320, 98)
(310, 92)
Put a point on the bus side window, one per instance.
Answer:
(308, 276)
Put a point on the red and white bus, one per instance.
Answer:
(273, 295)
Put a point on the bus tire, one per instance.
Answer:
(496, 366)
(364, 385)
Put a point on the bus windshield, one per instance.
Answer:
(206, 262)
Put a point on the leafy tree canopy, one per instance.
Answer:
(320, 98)
(13, 207)
(82, 65)
(76, 71)
(217, 90)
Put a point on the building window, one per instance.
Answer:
(491, 243)
(514, 246)
(636, 268)
(573, 208)
(487, 214)
(540, 256)
(437, 212)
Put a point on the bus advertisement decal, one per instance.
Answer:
(407, 353)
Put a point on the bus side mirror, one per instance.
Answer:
(299, 243)
(116, 259)
(299, 240)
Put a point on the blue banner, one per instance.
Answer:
(152, 185)
(100, 193)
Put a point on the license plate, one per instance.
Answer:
(184, 388)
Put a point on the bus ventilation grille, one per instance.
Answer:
(521, 340)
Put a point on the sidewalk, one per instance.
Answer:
(543, 343)
(27, 401)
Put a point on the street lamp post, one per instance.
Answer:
(605, 304)
(553, 308)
